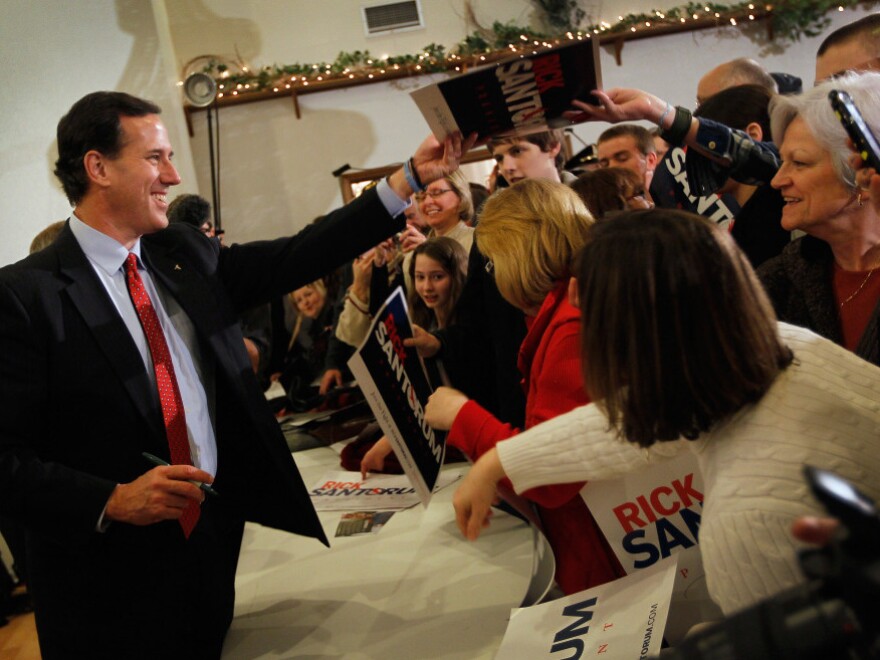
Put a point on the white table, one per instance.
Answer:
(415, 590)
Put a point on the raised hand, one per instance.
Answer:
(411, 238)
(620, 104)
(867, 179)
(362, 274)
(433, 160)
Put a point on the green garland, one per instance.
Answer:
(793, 19)
(790, 19)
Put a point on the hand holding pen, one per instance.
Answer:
(159, 494)
(158, 462)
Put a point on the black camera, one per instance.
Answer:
(833, 616)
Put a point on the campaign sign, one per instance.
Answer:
(522, 94)
(396, 387)
(653, 514)
(620, 619)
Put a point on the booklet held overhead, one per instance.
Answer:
(525, 94)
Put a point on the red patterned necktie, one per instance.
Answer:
(166, 382)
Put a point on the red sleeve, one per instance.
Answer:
(475, 430)
(558, 389)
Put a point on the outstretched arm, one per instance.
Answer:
(620, 104)
(724, 152)
(576, 446)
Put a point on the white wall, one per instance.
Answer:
(264, 32)
(53, 53)
(275, 168)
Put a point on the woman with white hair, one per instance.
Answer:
(827, 281)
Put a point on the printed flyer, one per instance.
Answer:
(340, 490)
(355, 523)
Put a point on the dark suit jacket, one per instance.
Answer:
(78, 410)
(484, 318)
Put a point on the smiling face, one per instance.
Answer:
(439, 206)
(815, 197)
(523, 160)
(136, 181)
(309, 301)
(433, 284)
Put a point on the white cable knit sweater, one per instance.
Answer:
(823, 410)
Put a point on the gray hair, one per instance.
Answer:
(814, 108)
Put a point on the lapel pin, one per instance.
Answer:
(177, 267)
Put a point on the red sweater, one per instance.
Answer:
(549, 360)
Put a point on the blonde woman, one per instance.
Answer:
(447, 207)
(530, 233)
(316, 359)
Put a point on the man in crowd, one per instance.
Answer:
(853, 47)
(121, 339)
(741, 71)
(194, 210)
(533, 156)
(631, 147)
(669, 188)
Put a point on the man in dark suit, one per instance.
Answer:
(117, 568)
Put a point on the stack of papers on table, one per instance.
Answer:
(346, 491)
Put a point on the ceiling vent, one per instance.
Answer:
(392, 17)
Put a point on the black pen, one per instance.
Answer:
(155, 460)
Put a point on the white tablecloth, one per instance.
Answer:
(415, 590)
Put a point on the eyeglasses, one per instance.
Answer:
(433, 194)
